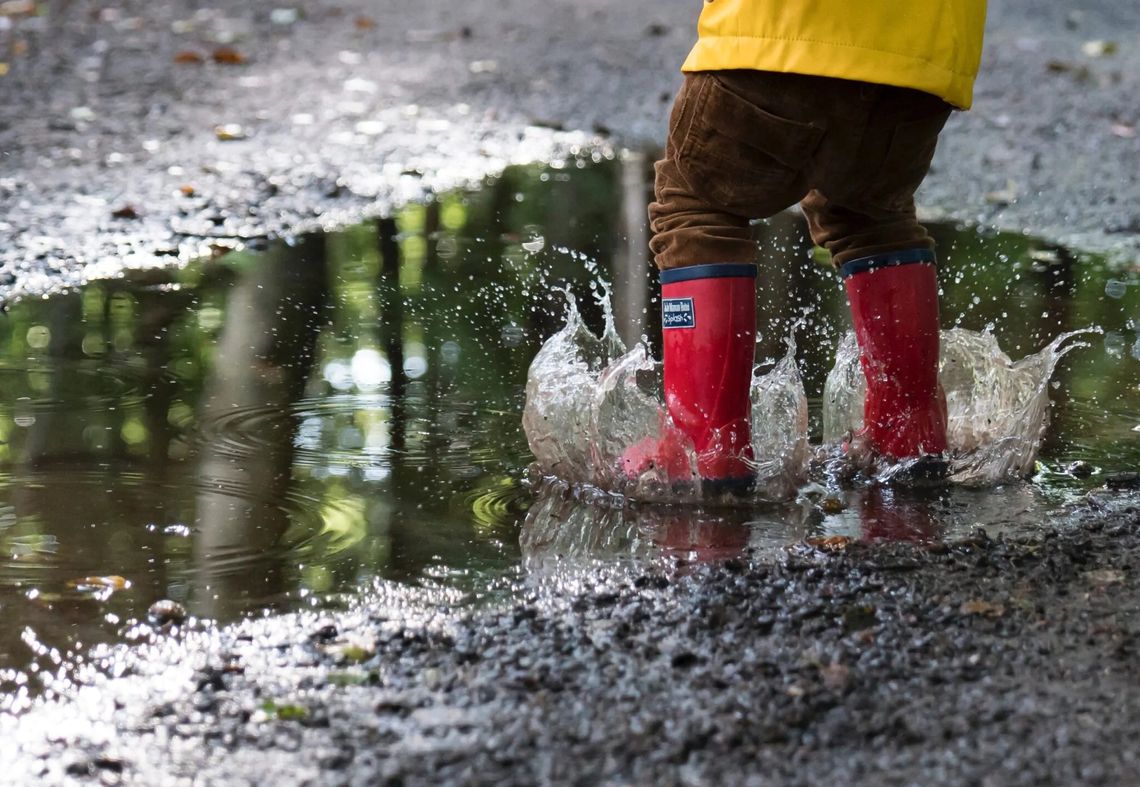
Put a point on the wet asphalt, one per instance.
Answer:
(988, 662)
(140, 133)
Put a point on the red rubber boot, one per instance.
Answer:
(708, 324)
(894, 305)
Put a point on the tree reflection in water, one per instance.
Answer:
(268, 429)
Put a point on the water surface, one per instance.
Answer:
(270, 428)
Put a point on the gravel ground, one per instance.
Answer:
(989, 662)
(979, 662)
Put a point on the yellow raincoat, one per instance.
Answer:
(929, 45)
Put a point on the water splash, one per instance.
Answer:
(780, 427)
(589, 401)
(559, 395)
(997, 409)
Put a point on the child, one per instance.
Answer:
(836, 105)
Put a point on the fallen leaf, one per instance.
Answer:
(983, 608)
(292, 712)
(364, 23)
(1123, 130)
(832, 504)
(189, 57)
(835, 676)
(19, 47)
(1080, 72)
(187, 190)
(3, 69)
(349, 678)
(125, 212)
(831, 543)
(110, 582)
(284, 712)
(228, 56)
(1105, 576)
(353, 651)
(17, 8)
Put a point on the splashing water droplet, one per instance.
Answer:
(997, 409)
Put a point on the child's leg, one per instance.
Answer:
(887, 261)
(726, 161)
(849, 234)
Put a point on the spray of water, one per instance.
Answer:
(997, 409)
(589, 400)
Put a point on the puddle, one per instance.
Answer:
(267, 430)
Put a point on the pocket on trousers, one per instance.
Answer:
(907, 161)
(742, 156)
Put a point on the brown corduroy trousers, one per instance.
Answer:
(745, 145)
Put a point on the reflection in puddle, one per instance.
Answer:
(572, 526)
(269, 430)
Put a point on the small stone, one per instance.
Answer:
(325, 632)
(283, 16)
(1080, 469)
(683, 660)
(830, 543)
(982, 608)
(166, 612)
(229, 132)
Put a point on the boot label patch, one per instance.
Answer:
(678, 313)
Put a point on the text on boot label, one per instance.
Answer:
(678, 313)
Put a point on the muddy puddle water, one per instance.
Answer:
(273, 429)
